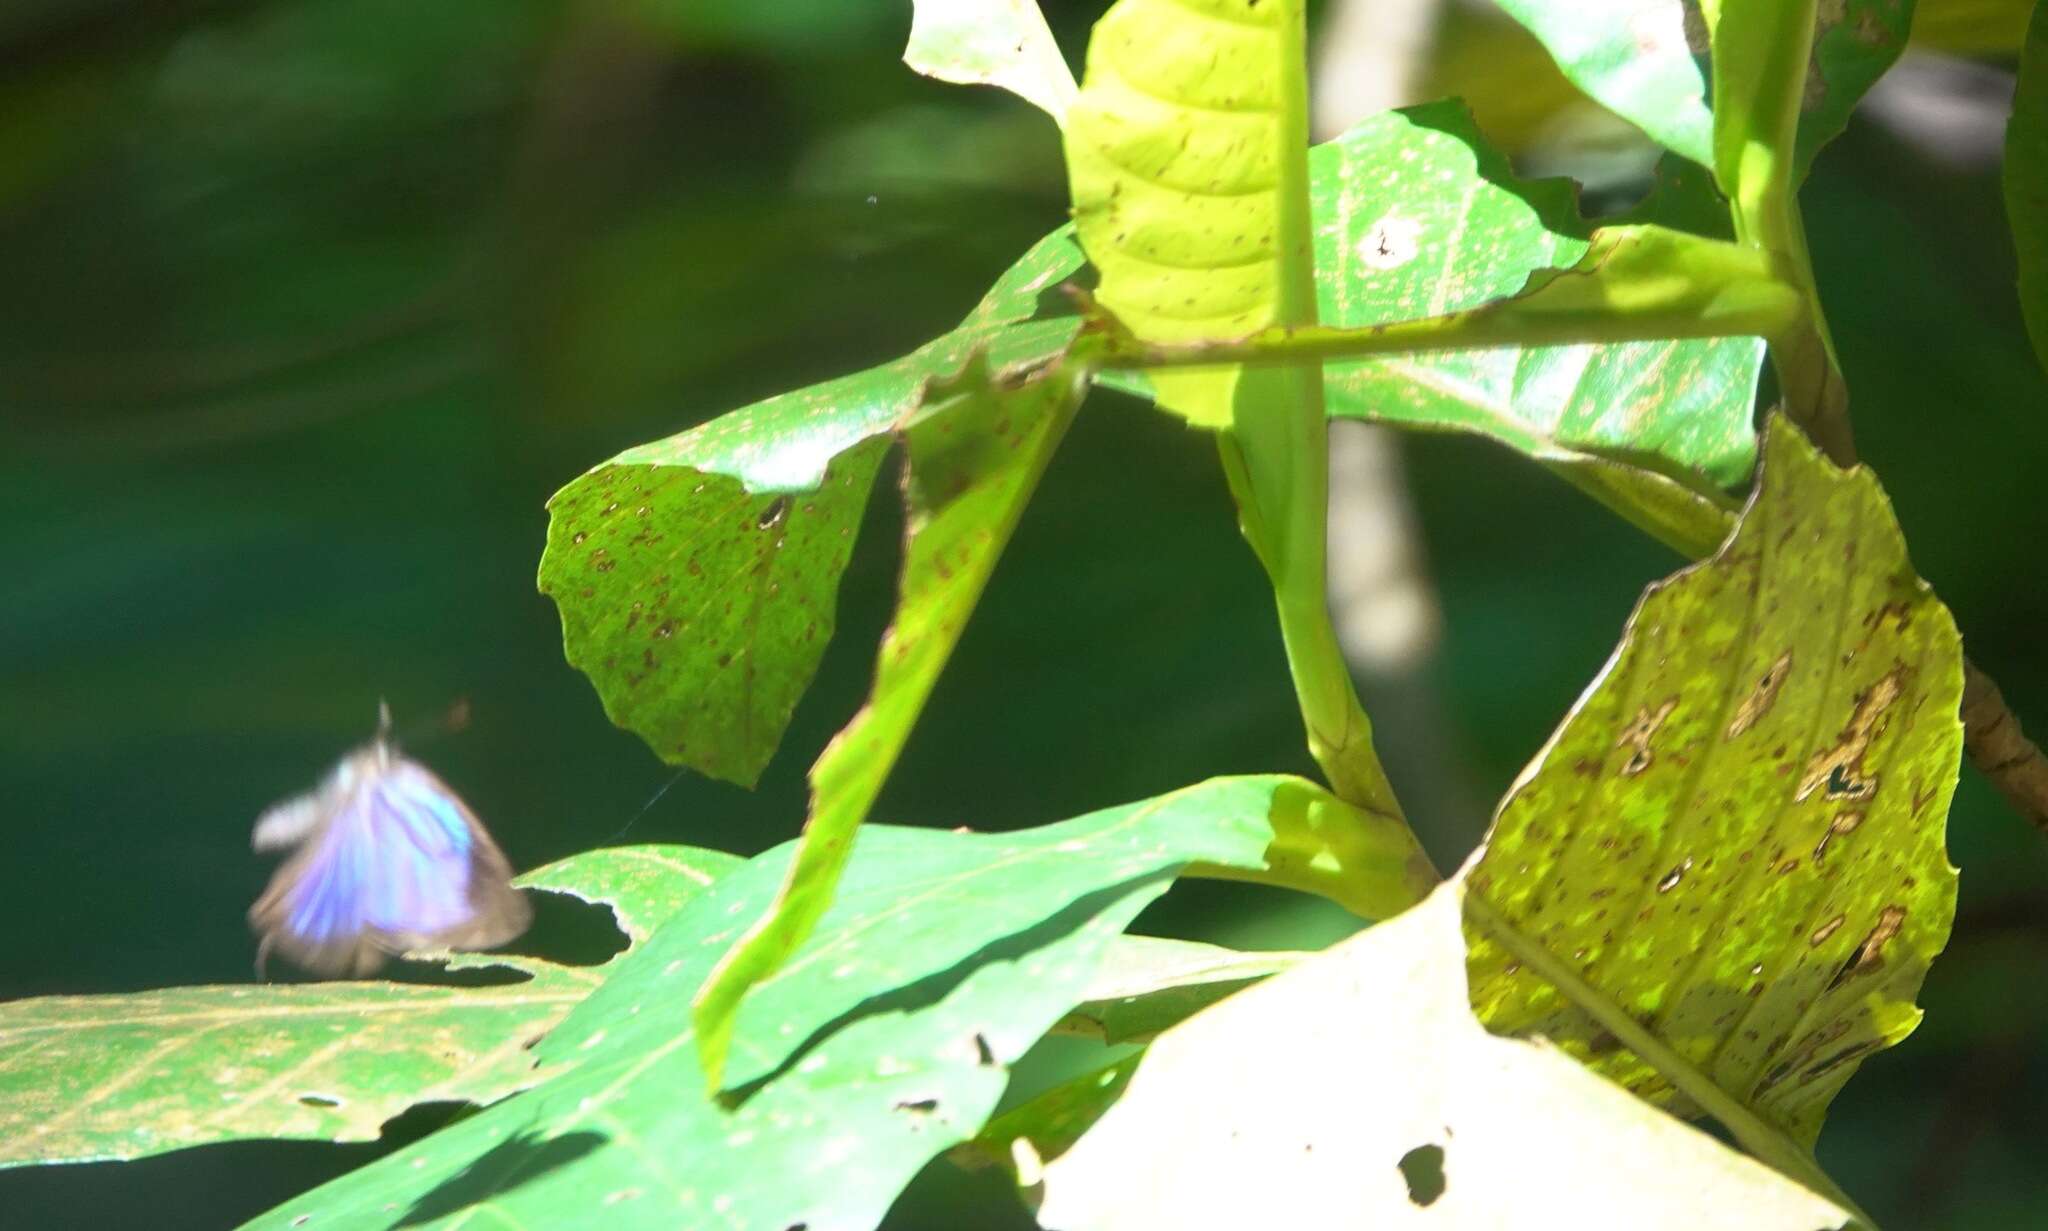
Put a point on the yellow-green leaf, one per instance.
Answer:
(1724, 879)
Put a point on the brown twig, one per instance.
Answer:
(2001, 751)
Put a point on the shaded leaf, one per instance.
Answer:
(2026, 180)
(1376, 1095)
(104, 1077)
(1026, 1137)
(1147, 984)
(991, 42)
(698, 576)
(883, 1042)
(1642, 60)
(1723, 880)
(975, 454)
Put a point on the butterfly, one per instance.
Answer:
(388, 860)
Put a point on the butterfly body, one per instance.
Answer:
(388, 860)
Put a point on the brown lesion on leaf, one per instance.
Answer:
(1869, 956)
(1825, 930)
(1761, 697)
(1843, 823)
(1636, 737)
(1840, 767)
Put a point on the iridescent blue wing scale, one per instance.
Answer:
(392, 862)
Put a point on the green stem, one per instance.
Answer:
(1276, 458)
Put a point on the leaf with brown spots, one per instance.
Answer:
(698, 576)
(1747, 892)
(106, 1077)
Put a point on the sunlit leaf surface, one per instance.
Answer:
(103, 1077)
(1736, 840)
(1419, 217)
(1358, 1091)
(994, 42)
(884, 1041)
(1178, 153)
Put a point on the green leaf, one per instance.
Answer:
(697, 576)
(1643, 61)
(1023, 1139)
(976, 451)
(991, 42)
(1421, 218)
(1357, 1087)
(1724, 878)
(86, 1078)
(2026, 179)
(1179, 153)
(883, 1042)
(1147, 984)
(1639, 60)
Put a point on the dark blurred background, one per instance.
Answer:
(306, 306)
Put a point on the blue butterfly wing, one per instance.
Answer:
(394, 862)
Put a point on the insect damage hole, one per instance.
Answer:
(772, 516)
(1840, 768)
(1422, 1168)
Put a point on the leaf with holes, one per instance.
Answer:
(993, 42)
(698, 576)
(1642, 60)
(1357, 1091)
(1723, 880)
(881, 1043)
(2026, 180)
(85, 1078)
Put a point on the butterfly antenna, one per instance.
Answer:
(383, 719)
(648, 806)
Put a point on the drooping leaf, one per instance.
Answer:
(2026, 179)
(991, 42)
(697, 576)
(1723, 880)
(1357, 1091)
(1644, 60)
(975, 454)
(883, 1042)
(85, 1078)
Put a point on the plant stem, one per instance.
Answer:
(1276, 457)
